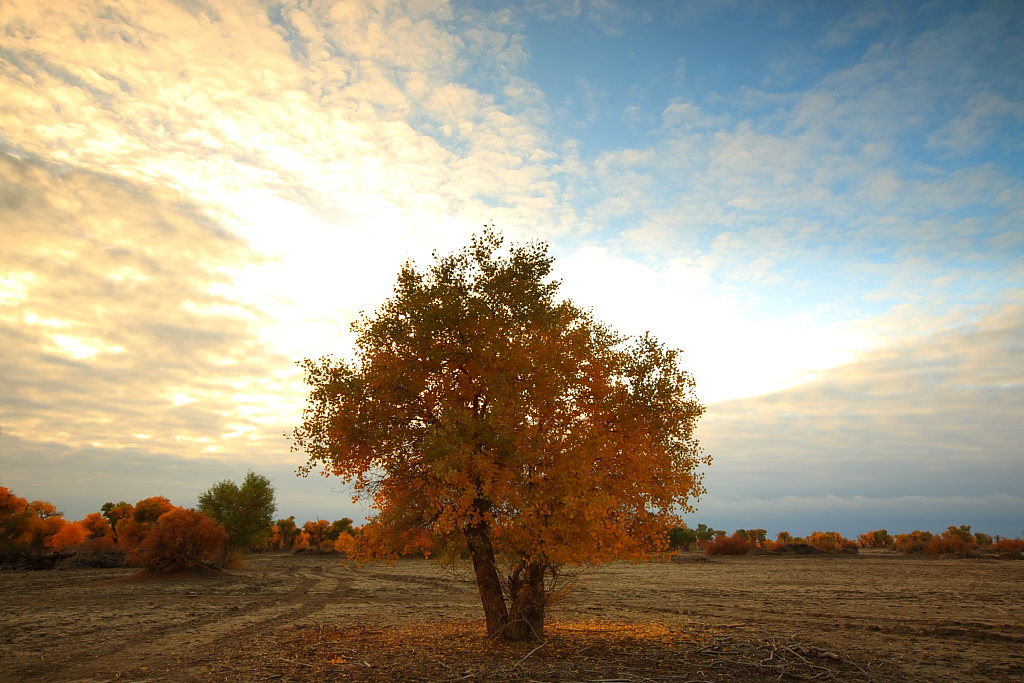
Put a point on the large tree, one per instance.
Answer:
(483, 411)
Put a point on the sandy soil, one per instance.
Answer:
(874, 617)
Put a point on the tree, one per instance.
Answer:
(318, 531)
(705, 534)
(27, 526)
(483, 412)
(115, 512)
(681, 537)
(132, 530)
(339, 527)
(284, 534)
(69, 537)
(246, 512)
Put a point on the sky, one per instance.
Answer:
(821, 203)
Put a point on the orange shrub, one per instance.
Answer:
(97, 526)
(70, 536)
(948, 543)
(302, 542)
(914, 542)
(346, 543)
(728, 545)
(1008, 545)
(132, 530)
(876, 539)
(99, 544)
(829, 541)
(182, 539)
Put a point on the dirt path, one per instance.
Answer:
(927, 619)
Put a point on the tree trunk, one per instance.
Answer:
(526, 617)
(478, 538)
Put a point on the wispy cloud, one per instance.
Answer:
(112, 335)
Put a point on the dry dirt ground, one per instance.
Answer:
(874, 617)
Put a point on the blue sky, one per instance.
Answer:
(821, 202)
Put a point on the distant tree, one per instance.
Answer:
(755, 536)
(783, 538)
(115, 512)
(484, 411)
(879, 538)
(736, 544)
(706, 533)
(284, 534)
(69, 537)
(27, 526)
(914, 542)
(339, 527)
(132, 530)
(97, 526)
(14, 520)
(830, 541)
(246, 512)
(681, 537)
(318, 532)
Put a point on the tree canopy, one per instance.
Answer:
(246, 512)
(483, 411)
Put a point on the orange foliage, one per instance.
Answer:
(27, 525)
(484, 410)
(70, 536)
(876, 539)
(180, 540)
(830, 541)
(1008, 545)
(728, 545)
(97, 526)
(317, 531)
(302, 542)
(952, 540)
(99, 544)
(943, 543)
(132, 531)
(284, 534)
(914, 542)
(346, 543)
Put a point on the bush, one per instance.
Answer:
(132, 530)
(914, 542)
(728, 545)
(1008, 545)
(182, 539)
(69, 537)
(831, 542)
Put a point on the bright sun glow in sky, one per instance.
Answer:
(822, 203)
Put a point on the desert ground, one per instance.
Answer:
(878, 616)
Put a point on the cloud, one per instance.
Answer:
(934, 417)
(113, 334)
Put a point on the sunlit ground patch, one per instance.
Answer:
(571, 650)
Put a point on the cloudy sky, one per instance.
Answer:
(821, 202)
